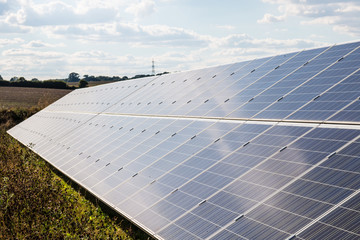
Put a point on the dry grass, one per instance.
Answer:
(12, 97)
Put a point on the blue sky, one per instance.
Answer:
(50, 39)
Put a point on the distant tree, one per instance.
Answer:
(35, 80)
(86, 77)
(13, 79)
(159, 74)
(141, 76)
(4, 83)
(103, 78)
(89, 78)
(83, 83)
(74, 77)
(21, 79)
(116, 78)
(92, 78)
(1, 79)
(54, 84)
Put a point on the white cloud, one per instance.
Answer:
(348, 8)
(32, 63)
(240, 47)
(226, 27)
(6, 28)
(3, 7)
(242, 54)
(35, 58)
(91, 54)
(83, 6)
(114, 38)
(41, 44)
(281, 29)
(7, 5)
(135, 34)
(343, 15)
(45, 64)
(142, 8)
(327, 20)
(347, 29)
(20, 52)
(5, 41)
(57, 13)
(245, 41)
(268, 18)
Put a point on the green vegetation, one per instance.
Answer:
(73, 77)
(21, 82)
(83, 83)
(104, 78)
(35, 203)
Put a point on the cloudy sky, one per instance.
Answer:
(50, 39)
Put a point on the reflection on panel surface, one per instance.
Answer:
(262, 149)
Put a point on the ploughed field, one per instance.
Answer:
(27, 97)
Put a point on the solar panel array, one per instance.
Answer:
(262, 149)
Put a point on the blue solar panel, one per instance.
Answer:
(262, 149)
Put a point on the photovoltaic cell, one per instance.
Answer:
(261, 149)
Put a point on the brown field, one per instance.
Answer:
(28, 97)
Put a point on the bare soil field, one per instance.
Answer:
(28, 97)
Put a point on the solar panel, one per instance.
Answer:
(262, 149)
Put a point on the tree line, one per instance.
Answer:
(75, 77)
(63, 83)
(36, 84)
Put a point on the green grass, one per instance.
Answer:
(35, 203)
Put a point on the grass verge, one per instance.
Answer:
(35, 203)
